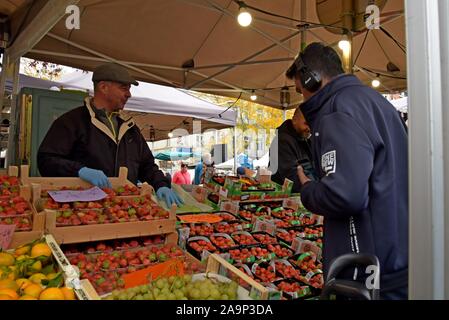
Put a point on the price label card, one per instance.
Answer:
(229, 206)
(92, 194)
(199, 193)
(6, 234)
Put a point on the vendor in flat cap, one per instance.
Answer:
(93, 141)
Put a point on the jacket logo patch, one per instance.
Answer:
(329, 162)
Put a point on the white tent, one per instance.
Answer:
(262, 162)
(400, 104)
(226, 165)
(153, 98)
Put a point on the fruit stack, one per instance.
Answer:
(104, 263)
(109, 210)
(249, 248)
(9, 187)
(29, 272)
(16, 210)
(179, 288)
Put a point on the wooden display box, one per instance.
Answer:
(218, 265)
(83, 288)
(54, 183)
(23, 237)
(95, 232)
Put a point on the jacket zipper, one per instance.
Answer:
(354, 242)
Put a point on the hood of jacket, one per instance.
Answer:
(312, 107)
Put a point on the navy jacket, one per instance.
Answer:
(290, 148)
(359, 147)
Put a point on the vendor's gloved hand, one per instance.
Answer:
(95, 177)
(169, 196)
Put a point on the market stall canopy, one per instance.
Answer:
(175, 156)
(162, 107)
(197, 44)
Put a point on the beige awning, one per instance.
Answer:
(158, 37)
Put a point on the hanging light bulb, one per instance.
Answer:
(253, 96)
(170, 135)
(244, 18)
(344, 44)
(376, 82)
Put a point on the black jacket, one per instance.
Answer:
(291, 149)
(359, 146)
(79, 139)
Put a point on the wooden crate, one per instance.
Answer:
(218, 265)
(95, 232)
(23, 237)
(83, 288)
(12, 171)
(52, 183)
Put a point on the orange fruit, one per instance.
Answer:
(7, 275)
(8, 284)
(40, 249)
(25, 297)
(23, 283)
(33, 290)
(6, 259)
(10, 292)
(69, 294)
(52, 294)
(5, 297)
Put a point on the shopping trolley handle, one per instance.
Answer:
(347, 288)
(351, 260)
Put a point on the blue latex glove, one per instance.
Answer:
(169, 196)
(95, 177)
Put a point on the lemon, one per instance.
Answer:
(6, 259)
(23, 283)
(27, 297)
(25, 250)
(33, 290)
(10, 292)
(8, 284)
(37, 278)
(40, 249)
(22, 257)
(52, 294)
(37, 266)
(69, 294)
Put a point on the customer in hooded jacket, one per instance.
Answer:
(359, 149)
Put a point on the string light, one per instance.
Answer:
(344, 44)
(244, 18)
(253, 96)
(376, 82)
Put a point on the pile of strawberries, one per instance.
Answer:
(222, 242)
(200, 245)
(264, 238)
(244, 239)
(280, 251)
